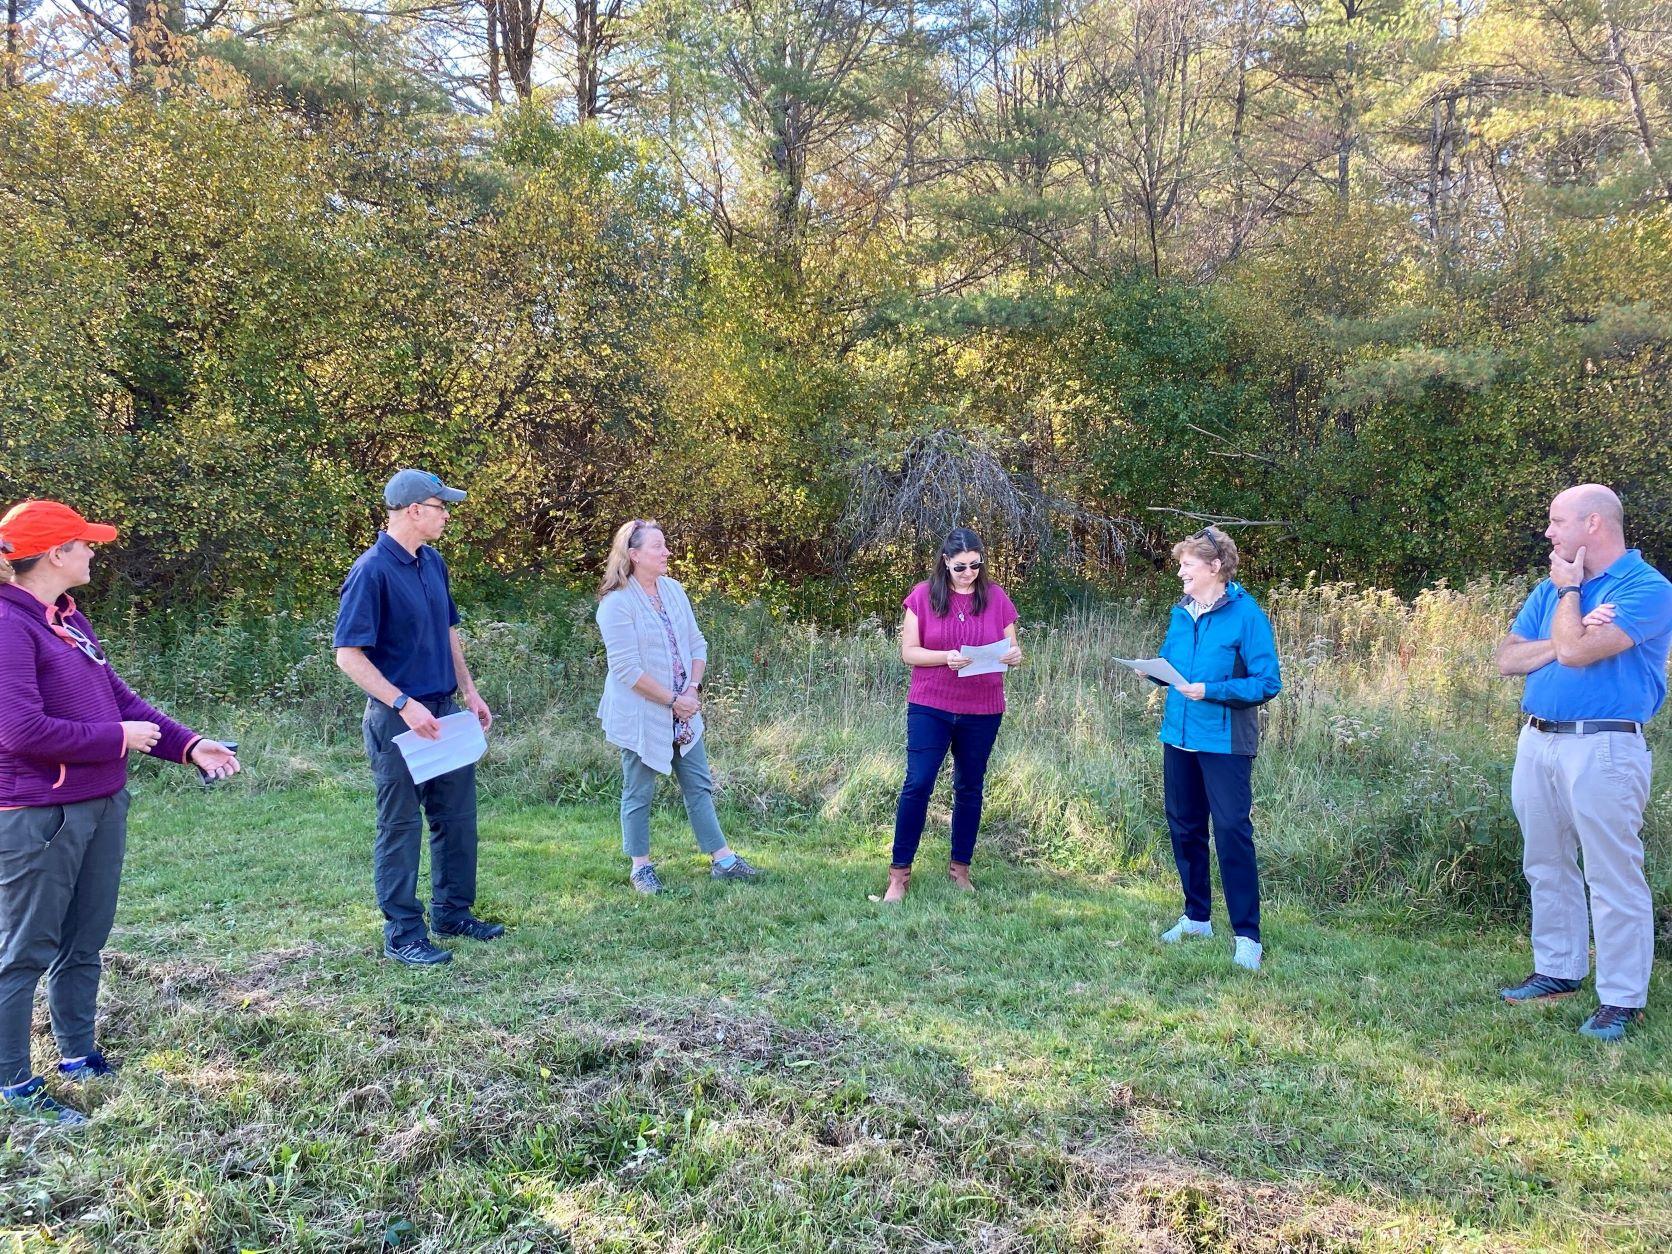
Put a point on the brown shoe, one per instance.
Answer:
(959, 874)
(899, 879)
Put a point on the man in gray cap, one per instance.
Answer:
(397, 637)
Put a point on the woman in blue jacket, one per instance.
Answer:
(1221, 642)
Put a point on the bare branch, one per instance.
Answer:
(946, 479)
(1222, 520)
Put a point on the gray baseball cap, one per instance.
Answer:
(408, 487)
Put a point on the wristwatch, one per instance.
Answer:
(399, 702)
(1562, 592)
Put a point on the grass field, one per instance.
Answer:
(788, 1066)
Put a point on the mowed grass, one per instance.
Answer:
(787, 1065)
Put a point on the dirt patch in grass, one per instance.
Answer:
(272, 975)
(570, 1094)
(716, 1032)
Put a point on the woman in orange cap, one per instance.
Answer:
(67, 725)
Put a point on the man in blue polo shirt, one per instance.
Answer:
(1592, 641)
(397, 637)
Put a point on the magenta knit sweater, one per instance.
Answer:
(936, 685)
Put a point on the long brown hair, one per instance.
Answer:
(618, 567)
(959, 540)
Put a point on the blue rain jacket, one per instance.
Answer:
(1229, 649)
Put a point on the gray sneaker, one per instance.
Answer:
(645, 879)
(738, 870)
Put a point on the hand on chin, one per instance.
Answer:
(1567, 570)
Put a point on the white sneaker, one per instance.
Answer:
(1186, 927)
(1248, 953)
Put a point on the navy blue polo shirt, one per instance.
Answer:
(1630, 685)
(398, 608)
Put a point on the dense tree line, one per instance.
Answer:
(810, 279)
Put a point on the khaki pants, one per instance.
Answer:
(1576, 794)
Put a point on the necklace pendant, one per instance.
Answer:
(960, 617)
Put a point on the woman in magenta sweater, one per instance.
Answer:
(956, 608)
(67, 725)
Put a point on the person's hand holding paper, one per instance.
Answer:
(1156, 668)
(984, 658)
(461, 743)
(419, 721)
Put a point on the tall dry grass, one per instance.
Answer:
(1384, 777)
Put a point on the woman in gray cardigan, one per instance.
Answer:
(651, 709)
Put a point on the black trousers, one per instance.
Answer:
(448, 802)
(1216, 787)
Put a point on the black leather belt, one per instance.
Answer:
(1584, 727)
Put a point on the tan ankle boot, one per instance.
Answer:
(899, 879)
(959, 874)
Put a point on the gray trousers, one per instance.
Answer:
(449, 802)
(696, 786)
(1585, 795)
(59, 870)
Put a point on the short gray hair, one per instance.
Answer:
(1208, 545)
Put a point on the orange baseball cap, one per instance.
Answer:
(33, 527)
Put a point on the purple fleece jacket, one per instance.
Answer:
(61, 712)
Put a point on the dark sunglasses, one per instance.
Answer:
(961, 567)
(75, 636)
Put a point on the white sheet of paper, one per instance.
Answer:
(461, 743)
(984, 658)
(1155, 668)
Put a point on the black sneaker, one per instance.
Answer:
(30, 1099)
(93, 1067)
(417, 953)
(1538, 987)
(474, 928)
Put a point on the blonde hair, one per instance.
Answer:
(7, 574)
(1207, 545)
(618, 567)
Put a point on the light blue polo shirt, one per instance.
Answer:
(1630, 685)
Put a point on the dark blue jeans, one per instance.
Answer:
(449, 802)
(1217, 786)
(929, 734)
